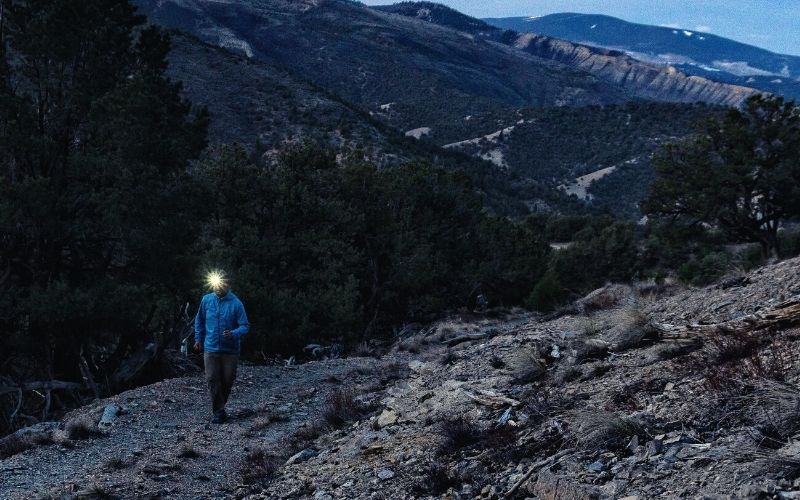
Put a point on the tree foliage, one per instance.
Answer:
(741, 175)
(94, 195)
(328, 252)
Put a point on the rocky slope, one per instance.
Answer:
(640, 79)
(599, 401)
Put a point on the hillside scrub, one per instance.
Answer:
(341, 253)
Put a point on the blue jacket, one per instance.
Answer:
(216, 315)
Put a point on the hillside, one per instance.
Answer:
(613, 398)
(697, 53)
(411, 71)
(274, 73)
(638, 79)
(555, 146)
(421, 70)
(251, 102)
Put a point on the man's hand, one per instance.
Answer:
(198, 347)
(227, 334)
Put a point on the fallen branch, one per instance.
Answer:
(465, 338)
(550, 461)
(783, 315)
(492, 399)
(48, 385)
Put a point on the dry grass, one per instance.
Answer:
(389, 371)
(458, 433)
(188, 451)
(526, 366)
(436, 479)
(99, 492)
(734, 346)
(14, 443)
(588, 327)
(773, 409)
(497, 362)
(630, 329)
(600, 430)
(590, 349)
(259, 466)
(448, 358)
(81, 428)
(412, 345)
(341, 407)
(115, 463)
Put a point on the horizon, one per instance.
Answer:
(768, 25)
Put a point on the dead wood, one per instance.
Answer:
(535, 467)
(783, 315)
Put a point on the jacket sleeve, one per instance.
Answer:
(241, 320)
(200, 322)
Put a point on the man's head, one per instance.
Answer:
(218, 283)
(221, 290)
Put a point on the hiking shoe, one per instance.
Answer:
(219, 417)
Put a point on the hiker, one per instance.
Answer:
(218, 328)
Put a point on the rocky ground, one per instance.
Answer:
(594, 402)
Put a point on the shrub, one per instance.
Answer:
(260, 466)
(631, 328)
(82, 428)
(187, 451)
(599, 430)
(497, 362)
(547, 295)
(341, 407)
(13, 444)
(436, 479)
(458, 433)
(591, 349)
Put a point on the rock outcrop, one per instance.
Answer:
(640, 79)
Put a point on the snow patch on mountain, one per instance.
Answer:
(741, 68)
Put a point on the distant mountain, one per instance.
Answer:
(273, 71)
(696, 53)
(410, 71)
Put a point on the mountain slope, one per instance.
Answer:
(252, 102)
(373, 58)
(605, 407)
(697, 53)
(608, 147)
(407, 69)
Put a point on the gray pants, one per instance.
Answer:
(220, 374)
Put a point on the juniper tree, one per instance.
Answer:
(742, 175)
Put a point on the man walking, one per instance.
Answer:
(218, 328)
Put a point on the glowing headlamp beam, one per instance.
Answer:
(215, 279)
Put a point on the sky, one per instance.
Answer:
(771, 24)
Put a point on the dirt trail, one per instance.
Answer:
(161, 420)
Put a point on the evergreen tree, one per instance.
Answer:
(94, 207)
(741, 175)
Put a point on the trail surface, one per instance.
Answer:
(162, 420)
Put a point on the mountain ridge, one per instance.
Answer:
(698, 53)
